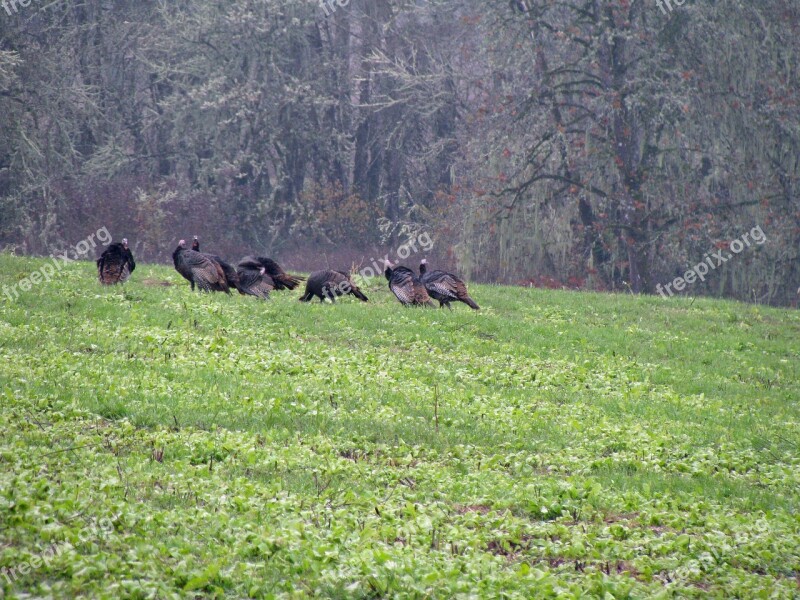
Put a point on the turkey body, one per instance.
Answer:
(231, 276)
(406, 286)
(253, 279)
(199, 269)
(281, 280)
(115, 264)
(330, 284)
(445, 287)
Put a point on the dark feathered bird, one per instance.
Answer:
(253, 279)
(281, 280)
(445, 287)
(330, 284)
(231, 276)
(406, 286)
(199, 269)
(115, 264)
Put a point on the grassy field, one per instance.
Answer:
(162, 444)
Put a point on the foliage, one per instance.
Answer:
(327, 214)
(611, 143)
(619, 142)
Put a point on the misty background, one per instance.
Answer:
(605, 145)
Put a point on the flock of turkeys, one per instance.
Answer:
(258, 276)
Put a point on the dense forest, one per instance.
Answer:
(588, 144)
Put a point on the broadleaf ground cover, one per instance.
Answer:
(553, 444)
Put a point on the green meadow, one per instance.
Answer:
(552, 444)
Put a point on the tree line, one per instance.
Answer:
(588, 144)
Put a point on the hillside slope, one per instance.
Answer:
(160, 443)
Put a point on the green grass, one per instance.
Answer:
(554, 444)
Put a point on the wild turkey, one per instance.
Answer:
(200, 269)
(231, 276)
(253, 279)
(281, 280)
(330, 284)
(445, 287)
(406, 286)
(115, 264)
